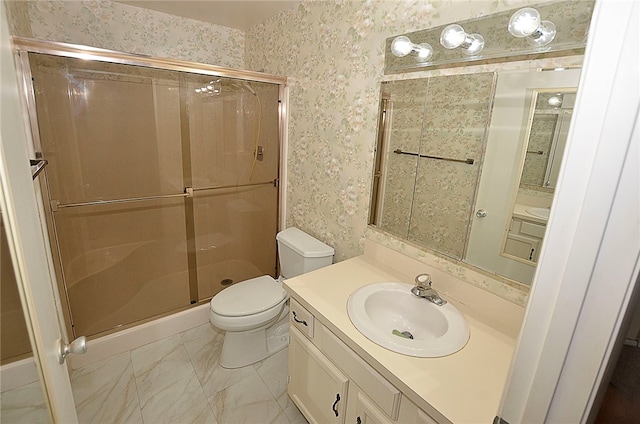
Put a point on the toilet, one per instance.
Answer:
(254, 313)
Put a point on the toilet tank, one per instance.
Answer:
(299, 252)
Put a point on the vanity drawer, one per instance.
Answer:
(532, 229)
(382, 393)
(302, 319)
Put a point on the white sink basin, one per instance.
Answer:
(539, 212)
(387, 313)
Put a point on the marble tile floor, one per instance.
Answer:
(178, 380)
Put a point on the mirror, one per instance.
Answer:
(547, 137)
(452, 171)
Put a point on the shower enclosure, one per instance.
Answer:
(162, 181)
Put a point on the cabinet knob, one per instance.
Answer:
(481, 213)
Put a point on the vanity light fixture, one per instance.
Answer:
(454, 36)
(526, 23)
(402, 46)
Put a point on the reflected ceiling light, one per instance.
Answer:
(402, 46)
(526, 23)
(453, 36)
(212, 88)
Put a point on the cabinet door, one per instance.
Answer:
(316, 386)
(368, 413)
(522, 246)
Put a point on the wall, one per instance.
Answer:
(121, 27)
(333, 53)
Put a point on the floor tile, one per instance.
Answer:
(23, 405)
(248, 401)
(273, 371)
(106, 392)
(181, 402)
(159, 364)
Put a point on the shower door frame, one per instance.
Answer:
(24, 46)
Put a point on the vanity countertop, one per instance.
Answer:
(520, 210)
(465, 387)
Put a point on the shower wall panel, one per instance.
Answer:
(121, 133)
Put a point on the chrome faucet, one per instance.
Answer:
(423, 289)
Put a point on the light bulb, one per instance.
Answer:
(401, 46)
(526, 23)
(452, 36)
(555, 101)
(423, 52)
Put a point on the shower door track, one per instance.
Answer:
(104, 55)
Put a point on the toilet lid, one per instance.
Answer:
(248, 297)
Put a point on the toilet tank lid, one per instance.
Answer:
(304, 244)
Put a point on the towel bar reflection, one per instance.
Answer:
(467, 161)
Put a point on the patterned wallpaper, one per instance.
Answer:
(333, 53)
(116, 26)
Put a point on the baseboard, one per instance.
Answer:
(134, 337)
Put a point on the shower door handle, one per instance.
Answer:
(39, 164)
(78, 347)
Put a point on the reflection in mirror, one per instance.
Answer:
(431, 147)
(547, 138)
(22, 399)
(451, 157)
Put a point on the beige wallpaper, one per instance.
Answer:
(116, 26)
(333, 53)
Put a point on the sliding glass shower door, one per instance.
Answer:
(162, 185)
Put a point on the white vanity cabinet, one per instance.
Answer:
(524, 239)
(330, 383)
(317, 387)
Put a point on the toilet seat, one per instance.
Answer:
(248, 297)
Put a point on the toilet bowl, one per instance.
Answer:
(255, 313)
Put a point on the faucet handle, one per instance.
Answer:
(423, 280)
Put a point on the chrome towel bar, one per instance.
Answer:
(467, 161)
(188, 192)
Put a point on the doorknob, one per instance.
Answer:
(78, 347)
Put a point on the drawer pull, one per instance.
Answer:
(358, 420)
(295, 318)
(335, 404)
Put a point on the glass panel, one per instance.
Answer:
(118, 132)
(445, 190)
(14, 338)
(123, 262)
(227, 123)
(108, 131)
(22, 399)
(235, 236)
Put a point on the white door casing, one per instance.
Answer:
(27, 240)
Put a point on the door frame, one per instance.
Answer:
(32, 264)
